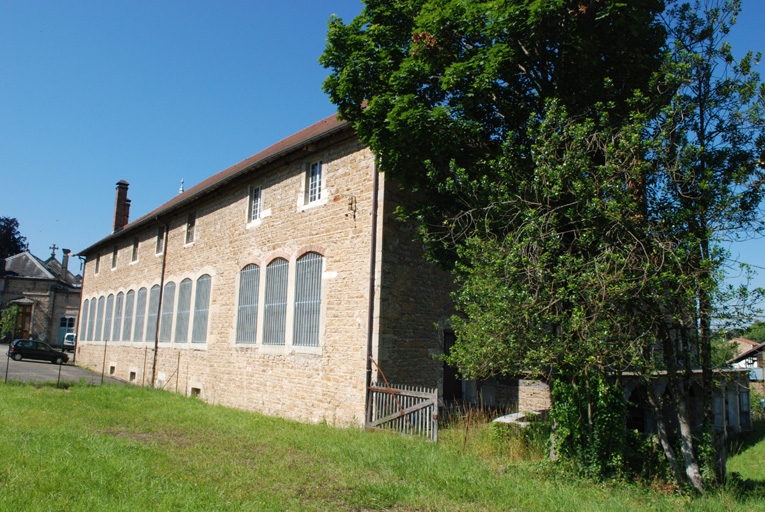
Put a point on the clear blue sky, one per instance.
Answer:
(152, 92)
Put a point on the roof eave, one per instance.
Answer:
(247, 165)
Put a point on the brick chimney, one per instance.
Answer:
(65, 262)
(121, 206)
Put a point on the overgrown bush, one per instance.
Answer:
(589, 418)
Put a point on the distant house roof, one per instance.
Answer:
(749, 353)
(745, 341)
(300, 140)
(25, 264)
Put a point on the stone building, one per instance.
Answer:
(277, 285)
(46, 292)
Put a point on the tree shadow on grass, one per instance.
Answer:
(746, 489)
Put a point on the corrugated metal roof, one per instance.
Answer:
(313, 134)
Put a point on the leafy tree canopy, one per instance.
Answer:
(439, 88)
(11, 241)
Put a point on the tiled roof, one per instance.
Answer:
(314, 133)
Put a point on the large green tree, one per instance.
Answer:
(11, 241)
(578, 179)
(439, 88)
(705, 190)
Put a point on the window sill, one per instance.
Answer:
(313, 204)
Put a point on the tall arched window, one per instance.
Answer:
(92, 318)
(307, 300)
(128, 322)
(201, 309)
(108, 316)
(183, 312)
(140, 314)
(247, 314)
(118, 316)
(275, 304)
(166, 320)
(100, 317)
(151, 319)
(84, 320)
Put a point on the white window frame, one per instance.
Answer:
(160, 244)
(191, 227)
(314, 188)
(134, 253)
(256, 204)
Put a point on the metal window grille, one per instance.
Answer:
(84, 320)
(275, 306)
(183, 312)
(128, 320)
(247, 317)
(140, 314)
(160, 240)
(166, 319)
(191, 222)
(201, 310)
(314, 182)
(307, 300)
(100, 318)
(108, 316)
(118, 315)
(255, 203)
(92, 319)
(151, 319)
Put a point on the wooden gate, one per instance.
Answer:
(405, 409)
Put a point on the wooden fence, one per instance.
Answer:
(405, 409)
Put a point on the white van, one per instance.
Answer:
(70, 341)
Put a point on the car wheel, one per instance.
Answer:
(16, 357)
(58, 360)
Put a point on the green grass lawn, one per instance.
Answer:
(128, 448)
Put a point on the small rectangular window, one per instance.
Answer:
(98, 263)
(191, 221)
(255, 202)
(114, 257)
(160, 240)
(314, 182)
(134, 255)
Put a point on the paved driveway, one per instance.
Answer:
(42, 371)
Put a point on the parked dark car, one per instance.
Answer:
(28, 349)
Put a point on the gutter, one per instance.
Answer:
(371, 305)
(159, 305)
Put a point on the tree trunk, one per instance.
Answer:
(686, 439)
(661, 429)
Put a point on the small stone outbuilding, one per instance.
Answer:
(46, 293)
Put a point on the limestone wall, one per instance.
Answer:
(306, 383)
